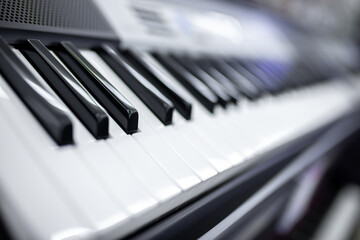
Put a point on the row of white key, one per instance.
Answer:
(102, 184)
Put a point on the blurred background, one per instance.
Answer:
(333, 210)
(336, 18)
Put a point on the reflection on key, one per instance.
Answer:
(197, 88)
(148, 139)
(268, 81)
(212, 84)
(105, 93)
(230, 87)
(148, 94)
(248, 75)
(175, 140)
(39, 101)
(244, 85)
(181, 105)
(68, 88)
(273, 69)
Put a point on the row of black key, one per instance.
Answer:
(212, 81)
(154, 100)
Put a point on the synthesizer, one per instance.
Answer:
(116, 114)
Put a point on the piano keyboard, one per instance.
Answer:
(98, 142)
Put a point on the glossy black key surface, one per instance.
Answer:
(153, 99)
(270, 71)
(181, 105)
(268, 82)
(212, 84)
(35, 96)
(248, 75)
(68, 88)
(230, 87)
(197, 88)
(119, 108)
(278, 69)
(244, 85)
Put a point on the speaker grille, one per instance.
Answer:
(60, 16)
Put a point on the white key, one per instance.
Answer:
(200, 125)
(150, 124)
(188, 153)
(193, 159)
(148, 138)
(219, 126)
(32, 206)
(110, 170)
(164, 131)
(150, 174)
(117, 177)
(65, 166)
(206, 147)
(168, 159)
(201, 144)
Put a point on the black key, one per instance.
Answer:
(263, 67)
(212, 84)
(229, 86)
(156, 102)
(68, 88)
(269, 83)
(181, 105)
(197, 88)
(248, 75)
(244, 85)
(279, 69)
(31, 92)
(119, 108)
